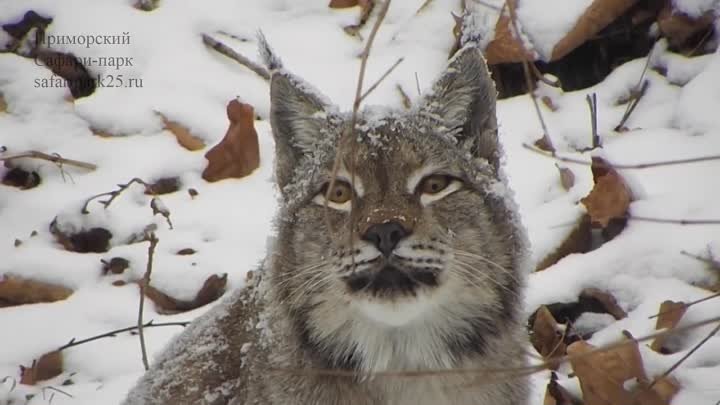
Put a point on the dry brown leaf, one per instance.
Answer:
(610, 197)
(238, 154)
(549, 103)
(547, 336)
(346, 3)
(18, 291)
(607, 300)
(579, 240)
(3, 103)
(669, 316)
(555, 394)
(505, 48)
(603, 374)
(183, 135)
(678, 27)
(212, 289)
(545, 144)
(49, 365)
(567, 177)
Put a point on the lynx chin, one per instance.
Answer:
(411, 259)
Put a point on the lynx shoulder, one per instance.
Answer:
(405, 256)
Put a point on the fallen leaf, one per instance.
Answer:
(238, 154)
(549, 103)
(3, 103)
(182, 134)
(669, 316)
(617, 376)
(610, 197)
(547, 336)
(606, 300)
(545, 144)
(603, 374)
(18, 291)
(49, 365)
(20, 178)
(116, 265)
(186, 252)
(165, 185)
(344, 3)
(555, 394)
(212, 289)
(579, 240)
(93, 240)
(567, 177)
(678, 27)
(193, 193)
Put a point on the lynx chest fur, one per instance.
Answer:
(397, 265)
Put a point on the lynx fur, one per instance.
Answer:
(412, 259)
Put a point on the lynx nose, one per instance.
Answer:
(385, 236)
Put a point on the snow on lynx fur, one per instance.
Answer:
(425, 272)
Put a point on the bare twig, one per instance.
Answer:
(377, 83)
(528, 77)
(686, 356)
(675, 221)
(113, 333)
(349, 132)
(405, 98)
(417, 84)
(592, 103)
(145, 282)
(230, 53)
(710, 260)
(634, 100)
(540, 76)
(637, 93)
(499, 373)
(688, 305)
(566, 159)
(113, 194)
(55, 158)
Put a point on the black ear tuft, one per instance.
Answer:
(464, 98)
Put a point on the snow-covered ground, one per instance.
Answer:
(228, 222)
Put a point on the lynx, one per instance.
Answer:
(391, 272)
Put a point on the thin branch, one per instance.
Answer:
(505, 372)
(230, 53)
(592, 104)
(566, 159)
(55, 158)
(637, 93)
(145, 282)
(540, 76)
(417, 84)
(685, 357)
(113, 333)
(113, 194)
(634, 100)
(675, 221)
(377, 83)
(528, 77)
(710, 260)
(405, 98)
(688, 305)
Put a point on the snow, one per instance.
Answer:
(230, 222)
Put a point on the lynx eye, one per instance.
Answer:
(434, 184)
(341, 192)
(437, 186)
(338, 197)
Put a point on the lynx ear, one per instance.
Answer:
(297, 119)
(463, 99)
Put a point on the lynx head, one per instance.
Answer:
(412, 232)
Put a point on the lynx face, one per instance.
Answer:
(411, 234)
